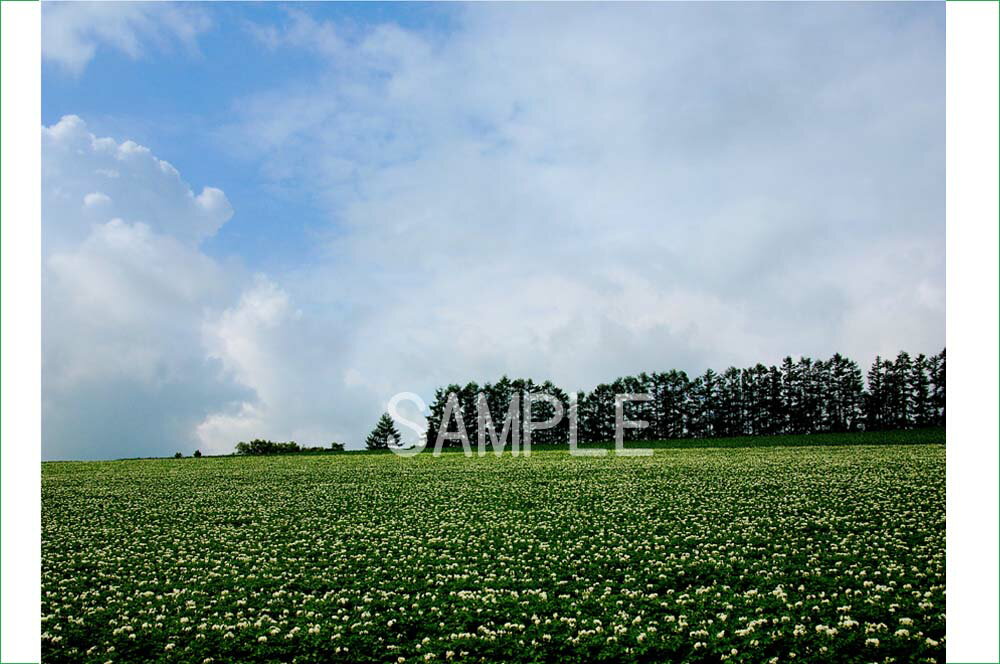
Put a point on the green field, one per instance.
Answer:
(935, 436)
(812, 554)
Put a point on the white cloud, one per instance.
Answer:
(124, 298)
(300, 31)
(149, 344)
(79, 166)
(96, 199)
(578, 192)
(72, 32)
(291, 363)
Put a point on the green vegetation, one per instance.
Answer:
(932, 436)
(384, 435)
(259, 447)
(798, 397)
(751, 554)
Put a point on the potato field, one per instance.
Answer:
(812, 554)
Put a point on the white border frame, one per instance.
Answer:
(973, 333)
(20, 336)
(973, 307)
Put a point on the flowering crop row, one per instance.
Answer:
(752, 555)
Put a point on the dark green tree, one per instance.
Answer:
(876, 400)
(791, 397)
(774, 417)
(847, 388)
(801, 396)
(921, 383)
(899, 384)
(937, 372)
(730, 413)
(260, 447)
(383, 435)
(808, 417)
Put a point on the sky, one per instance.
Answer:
(265, 220)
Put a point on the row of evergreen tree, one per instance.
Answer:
(807, 396)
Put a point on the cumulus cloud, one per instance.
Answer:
(125, 291)
(72, 32)
(149, 344)
(291, 364)
(90, 178)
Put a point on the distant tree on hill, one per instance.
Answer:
(197, 454)
(383, 435)
(258, 447)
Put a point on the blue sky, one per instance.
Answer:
(266, 219)
(177, 98)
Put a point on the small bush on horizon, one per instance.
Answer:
(261, 447)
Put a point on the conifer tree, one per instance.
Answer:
(920, 381)
(937, 374)
(795, 397)
(875, 410)
(383, 435)
(899, 380)
(790, 398)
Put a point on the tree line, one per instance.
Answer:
(798, 397)
(261, 447)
